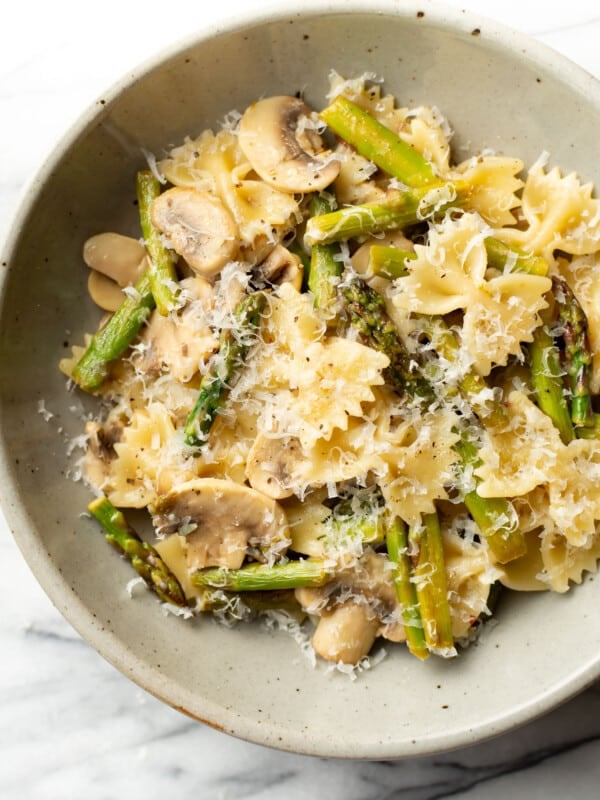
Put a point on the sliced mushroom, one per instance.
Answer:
(179, 343)
(100, 449)
(221, 520)
(198, 226)
(346, 633)
(119, 257)
(107, 294)
(282, 266)
(355, 609)
(283, 147)
(271, 464)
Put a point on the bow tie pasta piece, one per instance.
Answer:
(500, 316)
(574, 491)
(215, 163)
(448, 274)
(564, 563)
(419, 459)
(493, 186)
(309, 387)
(520, 457)
(145, 460)
(528, 454)
(470, 574)
(560, 213)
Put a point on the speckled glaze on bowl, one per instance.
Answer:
(499, 90)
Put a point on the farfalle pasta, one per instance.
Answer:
(352, 381)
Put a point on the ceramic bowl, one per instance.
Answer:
(499, 90)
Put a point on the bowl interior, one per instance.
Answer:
(498, 91)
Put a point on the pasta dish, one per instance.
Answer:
(351, 379)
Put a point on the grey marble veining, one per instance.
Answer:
(71, 726)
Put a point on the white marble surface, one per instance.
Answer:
(70, 725)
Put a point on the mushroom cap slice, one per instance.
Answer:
(198, 226)
(119, 257)
(106, 293)
(282, 266)
(346, 633)
(285, 153)
(224, 519)
(271, 463)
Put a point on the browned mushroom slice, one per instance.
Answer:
(221, 520)
(179, 343)
(282, 266)
(198, 226)
(285, 152)
(271, 464)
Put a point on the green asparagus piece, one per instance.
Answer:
(233, 348)
(238, 605)
(544, 361)
(368, 315)
(378, 143)
(389, 262)
(163, 278)
(114, 337)
(577, 352)
(430, 583)
(359, 517)
(397, 548)
(265, 577)
(591, 430)
(144, 558)
(393, 262)
(444, 341)
(502, 256)
(494, 516)
(325, 268)
(401, 209)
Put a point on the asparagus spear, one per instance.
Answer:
(233, 348)
(401, 209)
(397, 548)
(494, 516)
(113, 339)
(144, 558)
(500, 256)
(324, 266)
(163, 278)
(237, 605)
(591, 430)
(393, 262)
(265, 577)
(389, 262)
(577, 352)
(547, 382)
(378, 143)
(431, 588)
(367, 313)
